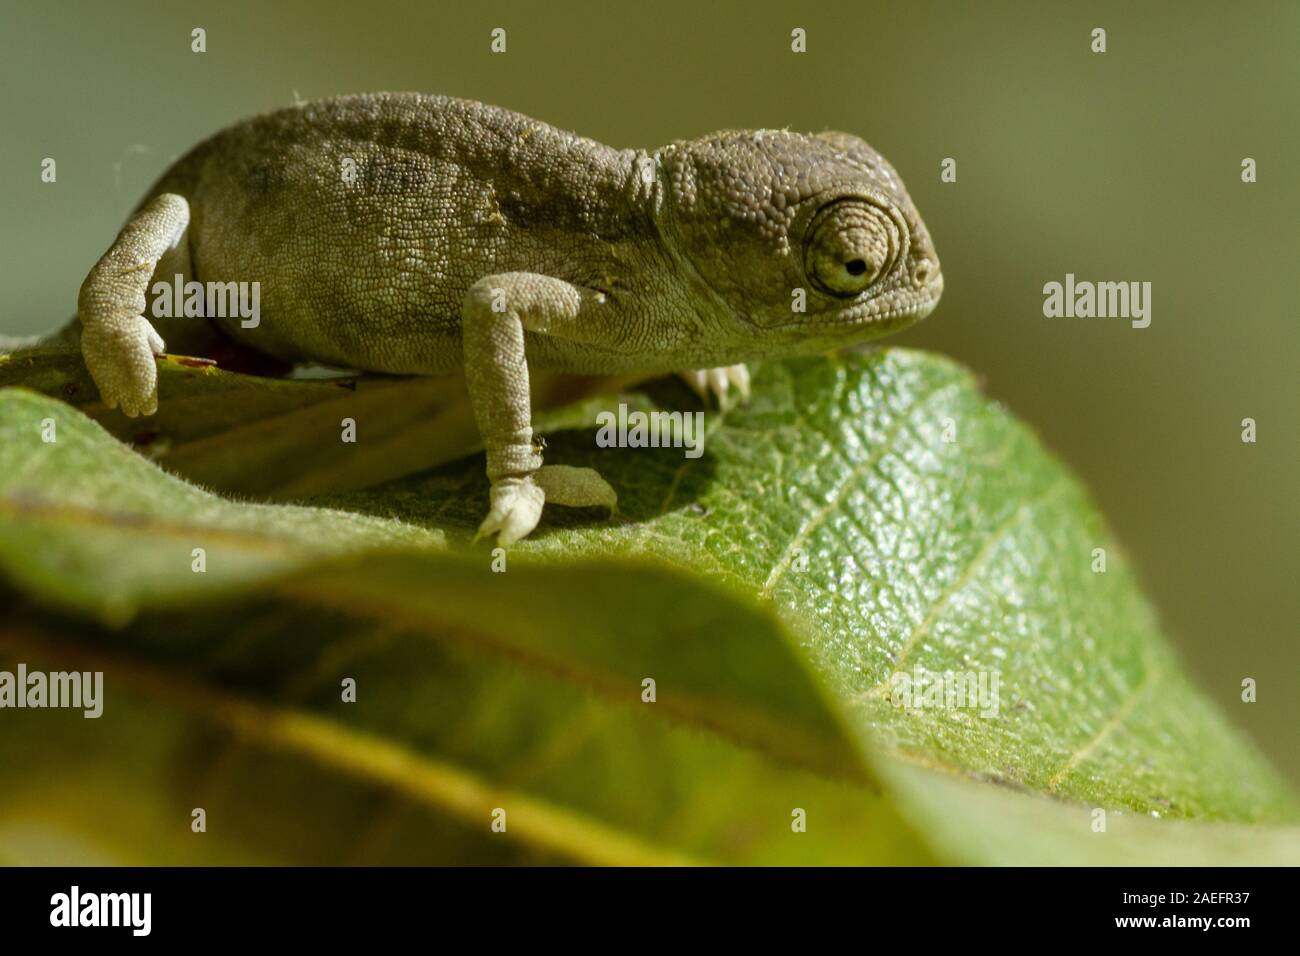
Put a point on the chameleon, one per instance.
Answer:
(415, 234)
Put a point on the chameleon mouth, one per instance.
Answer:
(914, 306)
(905, 308)
(909, 306)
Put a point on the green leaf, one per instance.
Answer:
(276, 438)
(475, 691)
(968, 555)
(859, 519)
(89, 523)
(971, 822)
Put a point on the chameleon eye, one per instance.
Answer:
(850, 245)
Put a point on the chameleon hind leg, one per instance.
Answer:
(117, 341)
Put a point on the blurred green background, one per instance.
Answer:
(1120, 166)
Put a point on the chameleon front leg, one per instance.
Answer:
(497, 311)
(117, 341)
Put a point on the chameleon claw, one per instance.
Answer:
(516, 503)
(514, 510)
(122, 365)
(709, 383)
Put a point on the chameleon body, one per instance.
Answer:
(415, 234)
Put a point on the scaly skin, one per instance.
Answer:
(416, 234)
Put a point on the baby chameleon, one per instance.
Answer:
(413, 234)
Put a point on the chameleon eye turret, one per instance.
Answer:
(851, 244)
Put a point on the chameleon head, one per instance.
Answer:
(810, 241)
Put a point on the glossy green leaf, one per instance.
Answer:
(902, 522)
(475, 692)
(859, 519)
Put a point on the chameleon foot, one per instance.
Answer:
(516, 503)
(514, 510)
(120, 357)
(706, 382)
